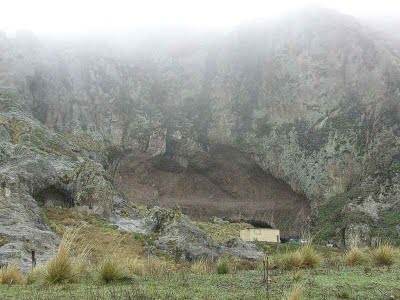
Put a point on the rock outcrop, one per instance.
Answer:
(180, 237)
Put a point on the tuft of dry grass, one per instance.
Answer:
(384, 255)
(295, 294)
(35, 276)
(290, 260)
(136, 266)
(304, 257)
(68, 265)
(10, 275)
(158, 267)
(110, 270)
(310, 256)
(355, 256)
(59, 269)
(200, 266)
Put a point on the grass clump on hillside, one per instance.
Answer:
(304, 257)
(68, 265)
(289, 260)
(384, 255)
(200, 266)
(110, 270)
(35, 276)
(310, 256)
(136, 266)
(10, 275)
(222, 266)
(355, 256)
(60, 268)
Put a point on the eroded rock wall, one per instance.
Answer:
(313, 99)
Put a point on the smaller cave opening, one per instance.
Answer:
(54, 196)
(258, 223)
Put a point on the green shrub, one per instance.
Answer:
(223, 266)
(344, 295)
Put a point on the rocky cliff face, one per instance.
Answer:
(294, 123)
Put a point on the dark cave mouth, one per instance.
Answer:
(54, 197)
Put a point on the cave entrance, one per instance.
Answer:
(53, 197)
(222, 182)
(258, 223)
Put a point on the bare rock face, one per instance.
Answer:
(22, 228)
(39, 168)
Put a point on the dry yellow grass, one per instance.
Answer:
(10, 275)
(290, 260)
(201, 266)
(111, 269)
(310, 256)
(35, 276)
(59, 269)
(103, 239)
(305, 257)
(68, 265)
(136, 266)
(384, 255)
(157, 267)
(355, 256)
(295, 294)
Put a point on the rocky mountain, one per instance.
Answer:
(292, 122)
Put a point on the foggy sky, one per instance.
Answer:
(70, 16)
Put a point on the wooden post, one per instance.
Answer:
(264, 271)
(33, 259)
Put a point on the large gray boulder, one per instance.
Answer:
(180, 236)
(183, 239)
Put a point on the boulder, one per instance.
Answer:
(180, 236)
(243, 249)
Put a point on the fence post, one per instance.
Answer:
(33, 259)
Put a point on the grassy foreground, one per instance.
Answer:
(321, 283)
(97, 261)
